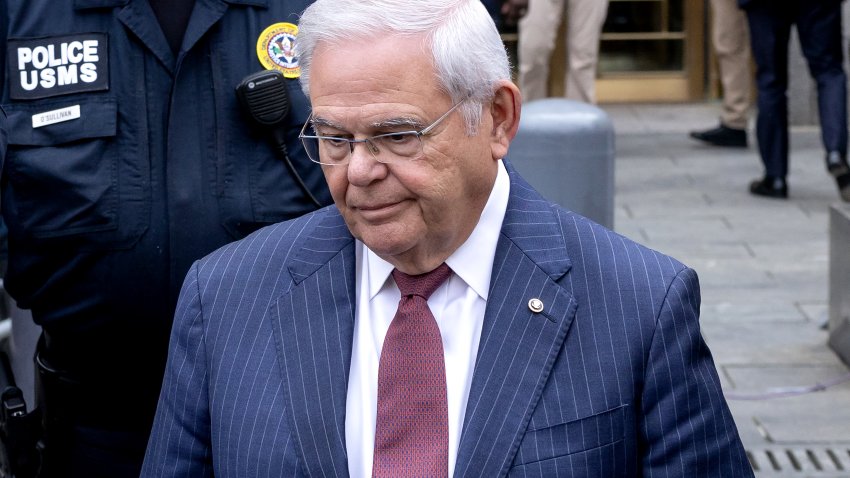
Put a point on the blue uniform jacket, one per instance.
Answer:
(127, 162)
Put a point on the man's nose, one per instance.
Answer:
(363, 168)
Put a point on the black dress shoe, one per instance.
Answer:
(837, 166)
(771, 187)
(723, 136)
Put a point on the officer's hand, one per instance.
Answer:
(513, 10)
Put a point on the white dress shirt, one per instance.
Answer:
(458, 306)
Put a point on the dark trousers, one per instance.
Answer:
(97, 411)
(819, 29)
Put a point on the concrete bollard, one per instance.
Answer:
(565, 149)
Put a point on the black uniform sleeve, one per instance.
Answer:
(4, 31)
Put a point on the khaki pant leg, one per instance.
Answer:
(537, 31)
(731, 41)
(584, 27)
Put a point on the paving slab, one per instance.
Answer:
(752, 380)
(769, 342)
(763, 267)
(720, 309)
(814, 418)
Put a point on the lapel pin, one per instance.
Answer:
(536, 305)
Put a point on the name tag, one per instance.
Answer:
(53, 66)
(55, 116)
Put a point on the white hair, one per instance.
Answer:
(468, 54)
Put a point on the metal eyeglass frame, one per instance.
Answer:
(370, 145)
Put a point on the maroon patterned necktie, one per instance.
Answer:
(412, 429)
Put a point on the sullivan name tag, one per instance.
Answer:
(55, 116)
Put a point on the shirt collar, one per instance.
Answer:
(479, 248)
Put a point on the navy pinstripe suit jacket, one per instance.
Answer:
(611, 379)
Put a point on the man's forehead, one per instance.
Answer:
(404, 55)
(372, 84)
(415, 43)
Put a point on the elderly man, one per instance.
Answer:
(442, 318)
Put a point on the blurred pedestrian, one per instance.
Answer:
(538, 29)
(818, 25)
(129, 159)
(731, 42)
(511, 11)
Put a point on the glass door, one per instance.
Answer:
(652, 50)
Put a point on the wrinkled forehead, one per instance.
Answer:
(383, 65)
(354, 33)
(412, 44)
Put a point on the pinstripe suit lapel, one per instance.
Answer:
(313, 324)
(518, 346)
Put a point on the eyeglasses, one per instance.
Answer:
(395, 147)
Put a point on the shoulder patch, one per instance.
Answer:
(276, 49)
(60, 65)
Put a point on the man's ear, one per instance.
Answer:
(505, 112)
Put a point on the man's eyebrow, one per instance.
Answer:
(409, 122)
(319, 121)
(404, 121)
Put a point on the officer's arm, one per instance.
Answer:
(4, 32)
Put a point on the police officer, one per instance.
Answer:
(128, 159)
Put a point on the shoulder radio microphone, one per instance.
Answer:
(264, 99)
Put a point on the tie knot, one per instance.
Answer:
(422, 285)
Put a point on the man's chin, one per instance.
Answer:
(387, 243)
(386, 247)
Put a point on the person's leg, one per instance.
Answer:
(770, 27)
(731, 42)
(819, 29)
(537, 31)
(584, 27)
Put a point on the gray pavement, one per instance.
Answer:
(763, 267)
